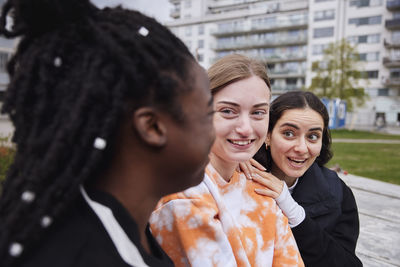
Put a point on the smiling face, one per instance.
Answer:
(295, 142)
(240, 120)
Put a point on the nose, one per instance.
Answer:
(244, 127)
(301, 146)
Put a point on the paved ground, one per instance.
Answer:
(379, 210)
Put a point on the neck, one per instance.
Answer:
(224, 168)
(282, 176)
(134, 193)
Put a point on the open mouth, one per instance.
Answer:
(297, 161)
(241, 142)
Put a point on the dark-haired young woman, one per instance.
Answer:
(103, 107)
(321, 209)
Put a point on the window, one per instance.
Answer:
(371, 74)
(396, 15)
(291, 81)
(200, 44)
(188, 3)
(200, 57)
(361, 39)
(396, 37)
(365, 3)
(201, 29)
(188, 31)
(319, 49)
(383, 92)
(324, 15)
(366, 20)
(3, 61)
(395, 54)
(323, 32)
(374, 56)
(395, 73)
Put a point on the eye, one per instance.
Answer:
(313, 136)
(228, 112)
(259, 114)
(288, 134)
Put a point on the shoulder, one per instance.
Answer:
(75, 239)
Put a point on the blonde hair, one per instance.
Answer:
(233, 68)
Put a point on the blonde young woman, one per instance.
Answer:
(223, 221)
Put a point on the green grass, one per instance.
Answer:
(354, 134)
(376, 161)
(6, 157)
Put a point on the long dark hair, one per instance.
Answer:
(77, 71)
(295, 100)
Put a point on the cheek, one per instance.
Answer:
(261, 129)
(222, 127)
(315, 149)
(278, 149)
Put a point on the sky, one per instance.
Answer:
(161, 12)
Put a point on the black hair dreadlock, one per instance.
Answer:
(77, 71)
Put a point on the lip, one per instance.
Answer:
(241, 144)
(296, 163)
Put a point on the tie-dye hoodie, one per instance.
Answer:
(224, 224)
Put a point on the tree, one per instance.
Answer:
(337, 75)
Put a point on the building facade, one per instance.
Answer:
(288, 35)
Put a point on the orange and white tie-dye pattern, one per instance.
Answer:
(224, 224)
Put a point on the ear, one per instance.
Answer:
(149, 126)
(268, 139)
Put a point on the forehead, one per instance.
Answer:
(252, 89)
(302, 117)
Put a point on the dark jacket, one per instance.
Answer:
(329, 233)
(79, 239)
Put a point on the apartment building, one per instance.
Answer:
(289, 35)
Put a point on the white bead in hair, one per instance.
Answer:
(143, 31)
(15, 249)
(46, 221)
(28, 196)
(100, 143)
(57, 62)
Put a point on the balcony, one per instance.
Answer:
(392, 43)
(280, 89)
(391, 62)
(392, 82)
(286, 73)
(272, 58)
(253, 43)
(281, 24)
(392, 24)
(393, 5)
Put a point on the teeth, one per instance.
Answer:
(241, 143)
(298, 160)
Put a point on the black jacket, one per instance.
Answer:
(329, 233)
(79, 239)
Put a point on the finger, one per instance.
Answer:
(275, 186)
(266, 175)
(266, 192)
(245, 169)
(257, 165)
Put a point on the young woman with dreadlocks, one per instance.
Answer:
(103, 107)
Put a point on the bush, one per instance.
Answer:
(7, 153)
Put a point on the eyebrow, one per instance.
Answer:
(297, 128)
(236, 105)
